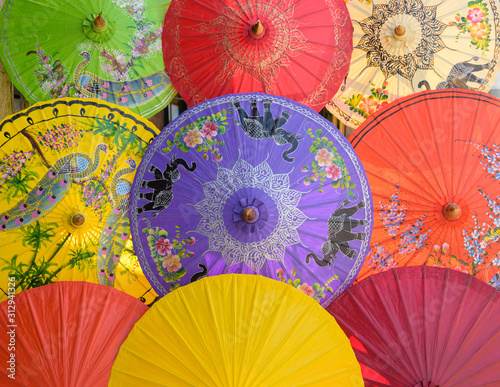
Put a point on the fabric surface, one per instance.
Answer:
(65, 334)
(254, 184)
(422, 326)
(300, 51)
(66, 170)
(402, 47)
(432, 164)
(235, 330)
(54, 49)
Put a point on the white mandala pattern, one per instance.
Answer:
(277, 187)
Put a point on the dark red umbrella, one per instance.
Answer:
(423, 326)
(296, 49)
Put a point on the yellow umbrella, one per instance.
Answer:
(405, 46)
(236, 330)
(66, 169)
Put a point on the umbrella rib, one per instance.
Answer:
(461, 188)
(472, 323)
(417, 141)
(401, 189)
(367, 343)
(392, 323)
(394, 167)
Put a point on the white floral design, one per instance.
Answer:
(277, 187)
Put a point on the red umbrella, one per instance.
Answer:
(433, 163)
(296, 49)
(423, 326)
(64, 334)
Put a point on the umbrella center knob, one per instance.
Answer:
(249, 215)
(452, 212)
(77, 219)
(99, 25)
(399, 32)
(257, 30)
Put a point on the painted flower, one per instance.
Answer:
(209, 130)
(444, 248)
(163, 246)
(334, 172)
(279, 272)
(368, 105)
(478, 31)
(172, 263)
(193, 138)
(305, 288)
(475, 15)
(383, 104)
(324, 157)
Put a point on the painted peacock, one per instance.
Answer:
(52, 188)
(115, 233)
(127, 93)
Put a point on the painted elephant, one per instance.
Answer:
(340, 232)
(259, 126)
(459, 75)
(162, 186)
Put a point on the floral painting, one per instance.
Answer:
(201, 136)
(328, 166)
(315, 290)
(476, 24)
(167, 252)
(366, 105)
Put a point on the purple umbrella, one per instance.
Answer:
(254, 184)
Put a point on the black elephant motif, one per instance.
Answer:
(259, 126)
(340, 227)
(459, 75)
(162, 186)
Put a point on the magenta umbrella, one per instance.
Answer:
(423, 326)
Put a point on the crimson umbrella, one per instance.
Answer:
(296, 49)
(64, 334)
(423, 326)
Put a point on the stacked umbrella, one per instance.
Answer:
(244, 183)
(250, 183)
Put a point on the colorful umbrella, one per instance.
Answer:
(423, 326)
(432, 162)
(110, 50)
(296, 49)
(405, 46)
(64, 334)
(254, 184)
(66, 169)
(235, 330)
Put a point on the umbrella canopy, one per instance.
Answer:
(296, 49)
(254, 184)
(432, 163)
(110, 50)
(66, 169)
(234, 330)
(423, 326)
(405, 46)
(64, 334)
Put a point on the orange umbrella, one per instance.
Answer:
(64, 334)
(432, 161)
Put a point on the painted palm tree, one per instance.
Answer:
(116, 232)
(51, 188)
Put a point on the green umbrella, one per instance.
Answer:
(109, 50)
